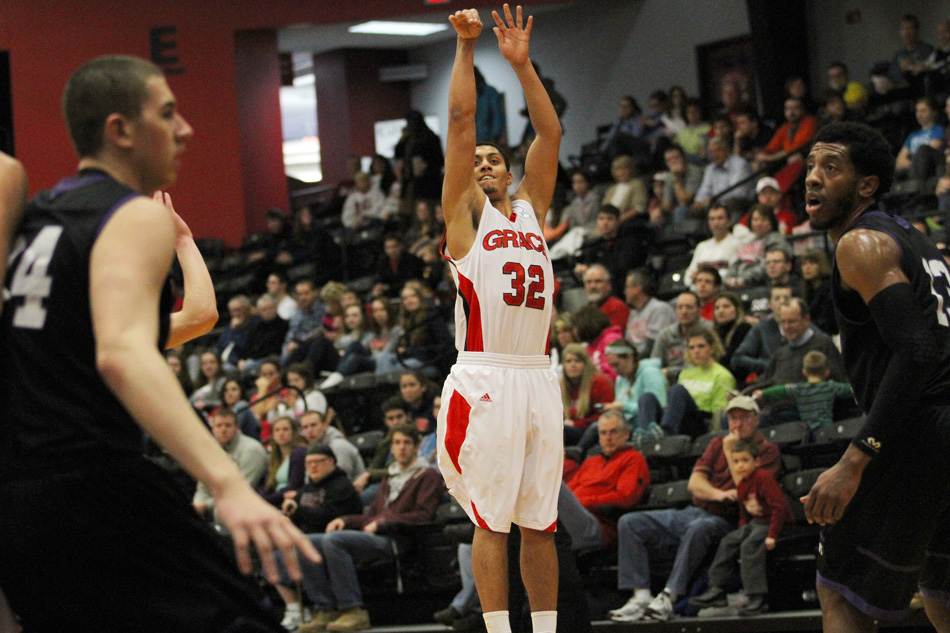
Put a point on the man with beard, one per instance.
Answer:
(597, 286)
(884, 506)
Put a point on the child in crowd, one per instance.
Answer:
(815, 398)
(763, 512)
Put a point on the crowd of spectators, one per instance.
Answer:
(737, 338)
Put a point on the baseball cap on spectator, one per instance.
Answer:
(321, 449)
(768, 181)
(743, 402)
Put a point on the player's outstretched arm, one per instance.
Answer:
(461, 197)
(12, 196)
(199, 311)
(127, 268)
(540, 168)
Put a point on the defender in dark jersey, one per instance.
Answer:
(885, 506)
(92, 535)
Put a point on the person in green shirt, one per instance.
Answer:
(702, 389)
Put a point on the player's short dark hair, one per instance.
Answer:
(114, 84)
(745, 445)
(498, 148)
(869, 151)
(409, 431)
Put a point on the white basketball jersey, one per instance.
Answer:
(505, 284)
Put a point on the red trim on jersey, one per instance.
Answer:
(456, 427)
(552, 527)
(442, 248)
(512, 217)
(478, 518)
(547, 346)
(474, 341)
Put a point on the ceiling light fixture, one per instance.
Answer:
(379, 27)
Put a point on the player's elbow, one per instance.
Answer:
(460, 111)
(113, 361)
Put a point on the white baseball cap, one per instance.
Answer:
(768, 181)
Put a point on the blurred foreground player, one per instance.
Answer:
(500, 426)
(885, 506)
(92, 534)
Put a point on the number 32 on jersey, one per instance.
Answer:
(30, 280)
(530, 297)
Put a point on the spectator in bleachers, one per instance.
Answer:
(489, 111)
(617, 247)
(628, 192)
(751, 135)
(232, 343)
(416, 393)
(394, 268)
(694, 136)
(598, 287)
(731, 98)
(385, 328)
(907, 65)
(796, 88)
(753, 354)
(625, 136)
(429, 447)
(409, 495)
(723, 129)
(731, 326)
(693, 530)
(383, 178)
(301, 393)
(310, 242)
(315, 428)
(791, 140)
(580, 213)
(584, 391)
(702, 389)
(769, 191)
(562, 335)
(718, 251)
(681, 184)
(273, 240)
(232, 397)
(648, 315)
(285, 465)
(676, 113)
(763, 512)
(917, 164)
(306, 323)
(816, 290)
(854, 93)
(778, 269)
(424, 229)
(707, 283)
(834, 109)
(277, 288)
(815, 397)
(670, 346)
(211, 378)
(435, 274)
(801, 337)
(748, 267)
(420, 157)
(604, 485)
(353, 345)
(173, 358)
(635, 377)
(395, 414)
(268, 331)
(890, 106)
(424, 337)
(593, 328)
(267, 409)
(247, 453)
(937, 66)
(326, 495)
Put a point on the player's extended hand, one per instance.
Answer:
(250, 519)
(181, 229)
(467, 24)
(512, 38)
(830, 495)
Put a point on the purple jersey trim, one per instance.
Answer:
(860, 603)
(108, 214)
(71, 184)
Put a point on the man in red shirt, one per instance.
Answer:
(791, 139)
(598, 287)
(609, 481)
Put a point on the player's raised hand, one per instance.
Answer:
(467, 24)
(513, 35)
(164, 199)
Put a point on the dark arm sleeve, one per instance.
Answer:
(913, 348)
